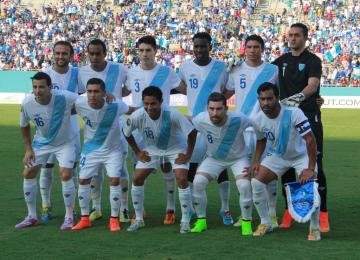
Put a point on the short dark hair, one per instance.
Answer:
(148, 39)
(153, 92)
(257, 38)
(42, 75)
(67, 44)
(303, 27)
(202, 35)
(216, 97)
(268, 86)
(97, 42)
(96, 81)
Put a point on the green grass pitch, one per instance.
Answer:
(156, 241)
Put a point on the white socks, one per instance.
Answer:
(96, 189)
(115, 199)
(245, 200)
(224, 191)
(29, 187)
(314, 219)
(185, 202)
(170, 189)
(260, 199)
(137, 194)
(84, 195)
(124, 186)
(199, 195)
(45, 183)
(68, 190)
(271, 188)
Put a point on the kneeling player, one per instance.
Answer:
(224, 135)
(164, 131)
(293, 145)
(102, 147)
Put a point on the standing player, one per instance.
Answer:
(299, 78)
(292, 145)
(200, 78)
(164, 131)
(114, 75)
(149, 73)
(63, 77)
(224, 135)
(244, 81)
(102, 147)
(50, 111)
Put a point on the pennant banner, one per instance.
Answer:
(302, 199)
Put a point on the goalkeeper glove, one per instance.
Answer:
(294, 100)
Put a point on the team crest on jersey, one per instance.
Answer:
(301, 66)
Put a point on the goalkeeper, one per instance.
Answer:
(299, 80)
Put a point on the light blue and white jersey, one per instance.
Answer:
(101, 126)
(67, 81)
(201, 81)
(284, 133)
(166, 135)
(245, 81)
(226, 142)
(52, 121)
(114, 76)
(160, 76)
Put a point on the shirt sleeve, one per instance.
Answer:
(181, 73)
(71, 97)
(196, 122)
(173, 80)
(225, 77)
(182, 122)
(131, 124)
(24, 118)
(230, 85)
(259, 134)
(301, 122)
(315, 68)
(123, 108)
(81, 86)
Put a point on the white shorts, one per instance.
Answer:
(92, 163)
(279, 166)
(199, 150)
(214, 167)
(157, 160)
(65, 154)
(52, 158)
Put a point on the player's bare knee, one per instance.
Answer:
(114, 181)
(85, 181)
(138, 180)
(182, 182)
(66, 174)
(30, 173)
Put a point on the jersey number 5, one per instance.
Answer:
(242, 82)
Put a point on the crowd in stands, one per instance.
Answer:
(27, 36)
